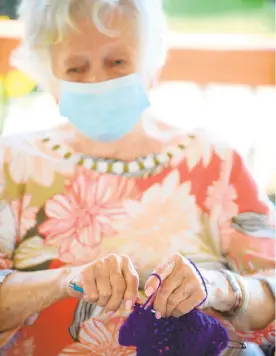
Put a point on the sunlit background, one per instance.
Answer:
(220, 76)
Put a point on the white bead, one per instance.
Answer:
(149, 162)
(88, 163)
(102, 166)
(118, 167)
(75, 158)
(133, 167)
(162, 158)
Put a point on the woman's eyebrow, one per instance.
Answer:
(75, 60)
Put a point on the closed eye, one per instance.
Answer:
(119, 62)
(77, 70)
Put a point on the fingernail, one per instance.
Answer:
(129, 304)
(110, 313)
(158, 315)
(149, 291)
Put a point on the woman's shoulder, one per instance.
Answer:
(31, 144)
(28, 156)
(18, 147)
(202, 148)
(24, 142)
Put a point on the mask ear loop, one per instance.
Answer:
(146, 304)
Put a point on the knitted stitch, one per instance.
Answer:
(193, 334)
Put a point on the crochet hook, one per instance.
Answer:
(78, 289)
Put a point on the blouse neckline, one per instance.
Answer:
(140, 167)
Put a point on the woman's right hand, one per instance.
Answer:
(107, 282)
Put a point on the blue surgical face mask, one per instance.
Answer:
(104, 111)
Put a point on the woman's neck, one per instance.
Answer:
(148, 137)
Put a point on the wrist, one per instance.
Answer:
(61, 281)
(72, 275)
(221, 296)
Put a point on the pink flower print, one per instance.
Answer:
(162, 223)
(25, 214)
(98, 338)
(23, 347)
(221, 196)
(87, 211)
(75, 253)
(5, 263)
(7, 229)
(226, 232)
(249, 255)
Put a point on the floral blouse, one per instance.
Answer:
(58, 207)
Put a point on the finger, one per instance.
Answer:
(163, 271)
(103, 284)
(88, 283)
(186, 305)
(186, 289)
(132, 282)
(118, 286)
(167, 288)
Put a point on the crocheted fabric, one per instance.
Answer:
(194, 334)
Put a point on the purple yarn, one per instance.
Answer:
(202, 280)
(194, 334)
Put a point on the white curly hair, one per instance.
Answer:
(46, 20)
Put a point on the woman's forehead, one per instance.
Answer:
(88, 37)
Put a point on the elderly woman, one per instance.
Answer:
(104, 200)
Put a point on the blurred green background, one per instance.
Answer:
(180, 7)
(206, 16)
(204, 7)
(222, 16)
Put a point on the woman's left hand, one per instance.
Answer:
(181, 290)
